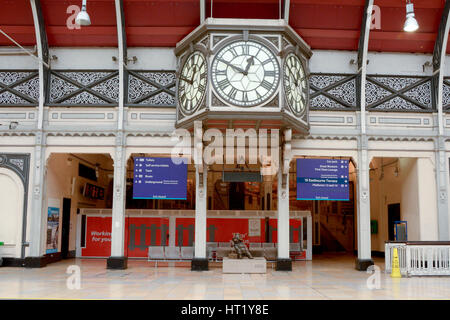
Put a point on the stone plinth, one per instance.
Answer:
(245, 265)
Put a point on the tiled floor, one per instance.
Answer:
(327, 277)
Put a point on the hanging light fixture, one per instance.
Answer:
(411, 24)
(83, 17)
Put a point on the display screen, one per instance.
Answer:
(93, 192)
(322, 179)
(159, 178)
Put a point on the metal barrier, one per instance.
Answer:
(419, 258)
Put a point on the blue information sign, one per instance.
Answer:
(159, 178)
(322, 179)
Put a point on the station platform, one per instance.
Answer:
(327, 277)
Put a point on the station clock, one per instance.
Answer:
(245, 73)
(192, 82)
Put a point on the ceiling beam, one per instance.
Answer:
(123, 60)
(374, 35)
(287, 7)
(121, 29)
(440, 45)
(440, 48)
(43, 55)
(202, 11)
(418, 4)
(363, 48)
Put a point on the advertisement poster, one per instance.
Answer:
(254, 227)
(159, 178)
(142, 232)
(52, 229)
(322, 179)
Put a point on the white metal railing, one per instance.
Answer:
(419, 258)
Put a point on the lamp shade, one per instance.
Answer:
(411, 24)
(83, 18)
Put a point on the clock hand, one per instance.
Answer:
(232, 66)
(295, 78)
(185, 79)
(250, 62)
(193, 74)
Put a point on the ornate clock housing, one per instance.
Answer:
(192, 82)
(245, 73)
(295, 84)
(255, 74)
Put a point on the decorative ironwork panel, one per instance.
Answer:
(399, 93)
(19, 88)
(151, 88)
(19, 163)
(446, 95)
(84, 88)
(332, 92)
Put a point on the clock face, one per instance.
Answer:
(192, 82)
(245, 73)
(295, 84)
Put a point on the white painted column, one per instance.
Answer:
(78, 236)
(363, 195)
(309, 238)
(172, 230)
(442, 186)
(117, 260)
(201, 182)
(37, 235)
(118, 207)
(283, 217)
(363, 207)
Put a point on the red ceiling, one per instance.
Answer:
(102, 32)
(391, 36)
(18, 26)
(160, 23)
(325, 24)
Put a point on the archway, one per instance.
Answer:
(11, 199)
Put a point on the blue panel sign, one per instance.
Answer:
(159, 178)
(322, 179)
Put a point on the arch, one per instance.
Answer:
(12, 192)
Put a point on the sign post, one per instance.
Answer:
(322, 179)
(159, 178)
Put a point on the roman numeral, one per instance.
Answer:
(245, 96)
(266, 61)
(266, 85)
(232, 93)
(201, 87)
(234, 52)
(288, 90)
(246, 49)
(223, 84)
(269, 73)
(221, 72)
(183, 97)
